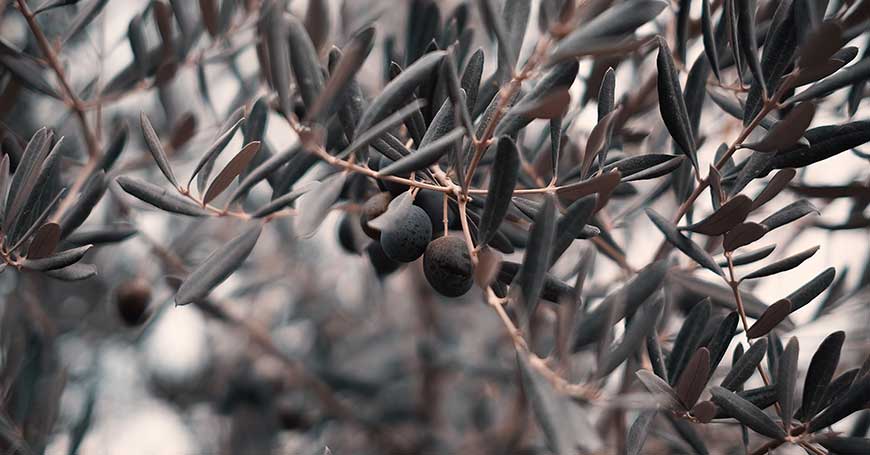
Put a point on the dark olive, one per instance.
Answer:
(393, 187)
(132, 299)
(347, 238)
(447, 266)
(433, 203)
(374, 207)
(406, 239)
(380, 261)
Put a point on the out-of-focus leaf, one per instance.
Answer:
(159, 197)
(85, 16)
(747, 46)
(52, 4)
(218, 266)
(819, 374)
(315, 205)
(845, 445)
(100, 235)
(275, 37)
(89, 196)
(683, 243)
(75, 272)
(782, 265)
(501, 186)
(285, 200)
(304, 61)
(638, 432)
(672, 105)
(571, 225)
(494, 24)
(720, 294)
(745, 365)
(688, 340)
(115, 147)
(668, 398)
(352, 58)
(720, 341)
(561, 75)
(637, 331)
(26, 70)
(156, 149)
(845, 77)
(614, 23)
(709, 38)
(317, 22)
(820, 44)
(44, 241)
(747, 413)
(602, 185)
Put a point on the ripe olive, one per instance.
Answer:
(447, 266)
(374, 207)
(406, 240)
(132, 299)
(433, 203)
(347, 238)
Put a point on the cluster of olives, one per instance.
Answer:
(419, 232)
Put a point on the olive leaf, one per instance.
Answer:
(729, 215)
(694, 378)
(160, 197)
(683, 243)
(786, 377)
(709, 38)
(313, 206)
(350, 63)
(819, 374)
(232, 170)
(782, 265)
(156, 149)
(303, 61)
(501, 186)
(672, 105)
(218, 266)
(787, 131)
(746, 413)
(745, 365)
(536, 260)
(688, 340)
(811, 289)
(637, 331)
(424, 156)
(668, 396)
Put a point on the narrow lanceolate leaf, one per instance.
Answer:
(160, 197)
(747, 43)
(44, 241)
(304, 61)
(536, 261)
(743, 234)
(672, 105)
(612, 24)
(548, 106)
(750, 257)
(783, 264)
(470, 80)
(852, 401)
(425, 156)
(493, 22)
(720, 341)
(825, 142)
(505, 169)
(57, 260)
(455, 92)
(683, 243)
(315, 205)
(232, 170)
(218, 266)
(638, 432)
(668, 398)
(607, 93)
(263, 170)
(365, 137)
(156, 149)
(726, 217)
(515, 14)
(806, 293)
(789, 213)
(786, 377)
(84, 17)
(397, 209)
(709, 38)
(602, 185)
(820, 44)
(688, 339)
(747, 413)
(549, 406)
(88, 198)
(745, 365)
(285, 200)
(75, 272)
(26, 70)
(634, 336)
(571, 225)
(694, 378)
(51, 4)
(206, 162)
(776, 184)
(275, 34)
(846, 445)
(352, 58)
(843, 78)
(399, 90)
(768, 321)
(819, 374)
(599, 140)
(787, 131)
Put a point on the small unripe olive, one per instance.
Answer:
(406, 239)
(380, 261)
(447, 266)
(132, 299)
(374, 207)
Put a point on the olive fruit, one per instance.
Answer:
(406, 239)
(447, 266)
(374, 207)
(132, 299)
(347, 238)
(433, 203)
(380, 261)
